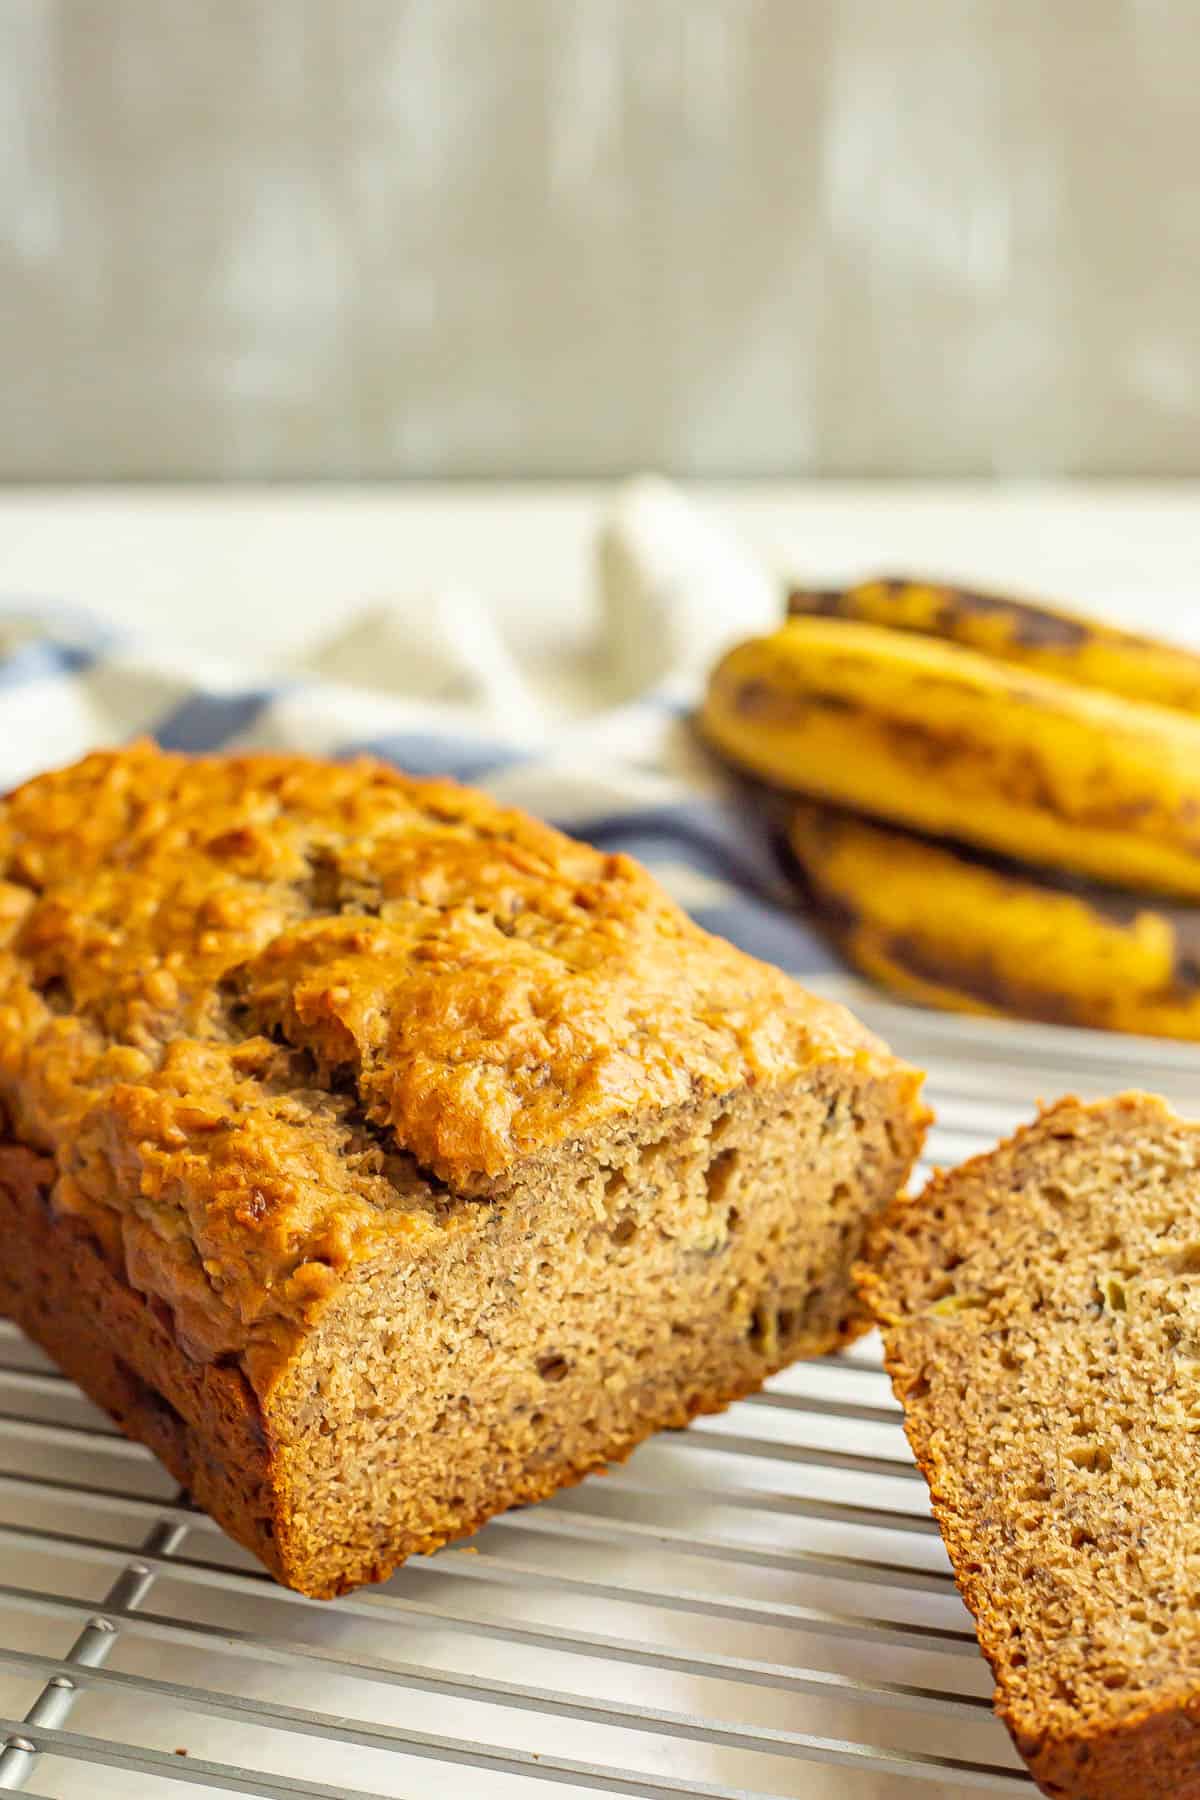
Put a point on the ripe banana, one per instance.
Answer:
(943, 928)
(1060, 643)
(955, 744)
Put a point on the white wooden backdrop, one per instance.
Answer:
(365, 237)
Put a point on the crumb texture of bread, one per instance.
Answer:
(1040, 1308)
(453, 1143)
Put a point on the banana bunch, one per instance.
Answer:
(988, 786)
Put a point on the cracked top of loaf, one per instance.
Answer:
(268, 1012)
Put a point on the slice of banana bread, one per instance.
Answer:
(384, 1158)
(1040, 1309)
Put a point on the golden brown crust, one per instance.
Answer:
(275, 1018)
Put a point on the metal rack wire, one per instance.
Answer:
(757, 1607)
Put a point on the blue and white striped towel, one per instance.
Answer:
(630, 777)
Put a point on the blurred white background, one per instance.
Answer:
(283, 238)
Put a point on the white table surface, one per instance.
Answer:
(263, 574)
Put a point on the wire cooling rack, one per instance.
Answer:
(759, 1606)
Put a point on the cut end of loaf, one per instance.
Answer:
(547, 1336)
(670, 1271)
(1041, 1317)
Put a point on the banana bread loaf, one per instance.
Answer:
(384, 1158)
(1041, 1318)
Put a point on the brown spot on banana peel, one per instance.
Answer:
(832, 908)
(759, 699)
(864, 945)
(1088, 652)
(829, 603)
(1024, 776)
(1032, 626)
(1118, 905)
(1186, 965)
(978, 978)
